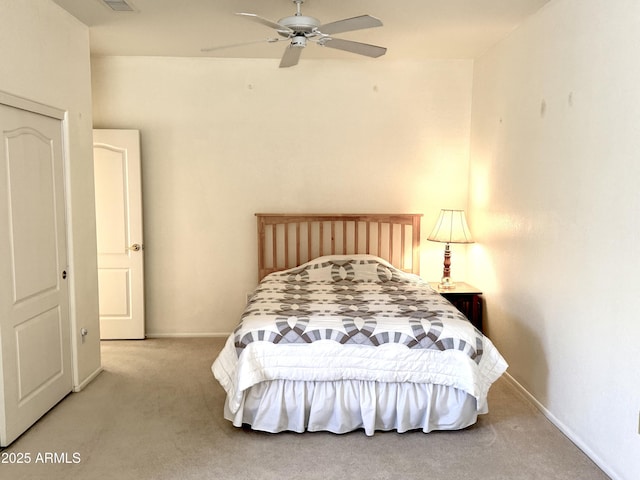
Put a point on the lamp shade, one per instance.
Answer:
(451, 227)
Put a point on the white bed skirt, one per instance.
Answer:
(344, 406)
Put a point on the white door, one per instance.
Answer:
(116, 157)
(34, 301)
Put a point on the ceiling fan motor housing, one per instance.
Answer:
(300, 23)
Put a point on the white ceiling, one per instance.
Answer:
(415, 29)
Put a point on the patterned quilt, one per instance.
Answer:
(354, 317)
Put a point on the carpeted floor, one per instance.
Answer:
(156, 413)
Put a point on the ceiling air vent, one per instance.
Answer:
(118, 5)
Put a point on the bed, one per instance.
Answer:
(342, 334)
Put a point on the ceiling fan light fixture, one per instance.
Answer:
(299, 41)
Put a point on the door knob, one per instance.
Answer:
(136, 247)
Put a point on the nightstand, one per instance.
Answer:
(466, 298)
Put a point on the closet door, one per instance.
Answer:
(35, 347)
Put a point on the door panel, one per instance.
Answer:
(115, 300)
(34, 301)
(110, 170)
(39, 367)
(33, 219)
(116, 157)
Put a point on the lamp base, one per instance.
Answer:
(446, 283)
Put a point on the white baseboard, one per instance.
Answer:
(563, 428)
(187, 335)
(87, 381)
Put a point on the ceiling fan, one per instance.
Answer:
(299, 28)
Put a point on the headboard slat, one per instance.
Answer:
(344, 237)
(399, 225)
(298, 243)
(402, 244)
(275, 244)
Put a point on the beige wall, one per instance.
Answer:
(223, 139)
(45, 58)
(555, 206)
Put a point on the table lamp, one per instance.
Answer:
(451, 227)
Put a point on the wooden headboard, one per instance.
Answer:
(289, 240)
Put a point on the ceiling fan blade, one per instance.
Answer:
(354, 47)
(264, 21)
(350, 24)
(291, 56)
(234, 45)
